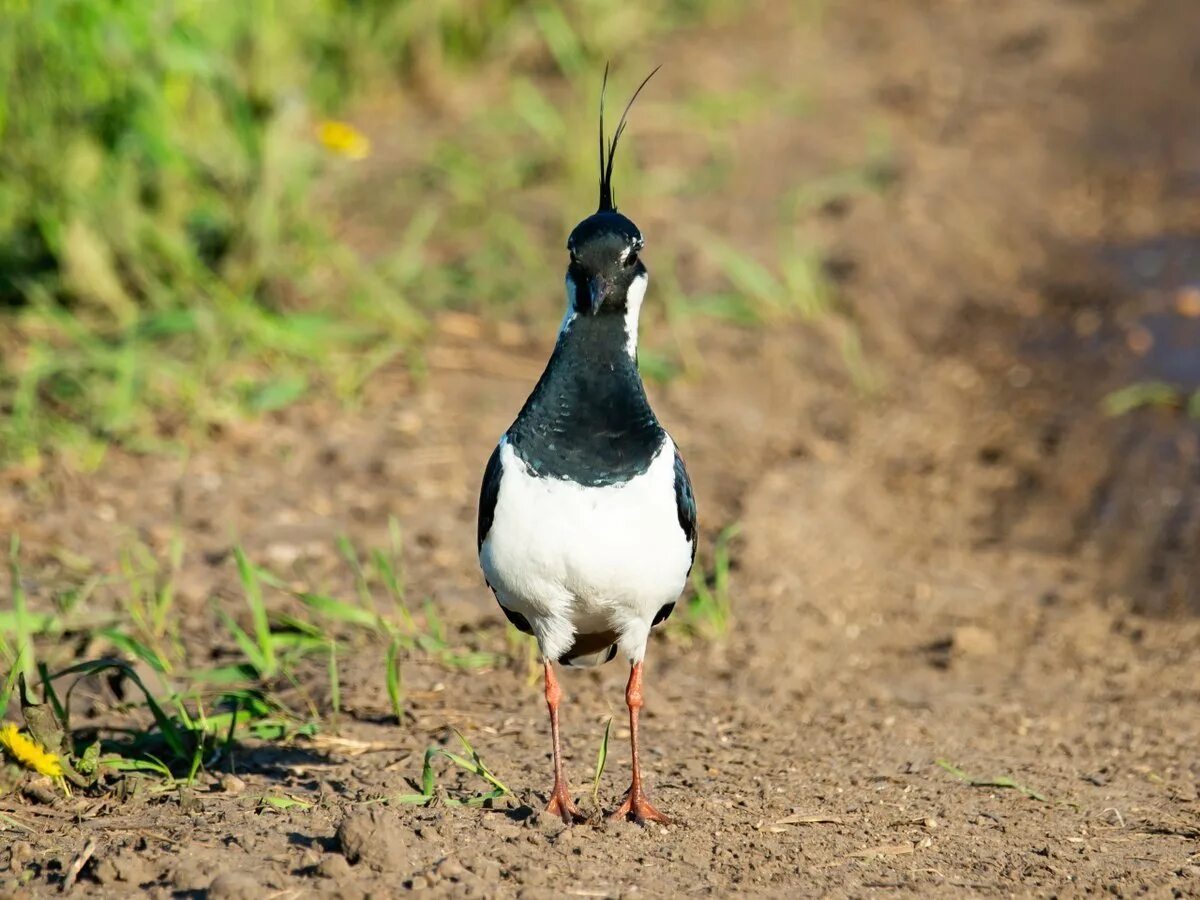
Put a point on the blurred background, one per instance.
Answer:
(924, 315)
(208, 212)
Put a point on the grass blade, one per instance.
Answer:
(361, 585)
(394, 683)
(1001, 782)
(245, 643)
(169, 729)
(258, 613)
(339, 610)
(601, 759)
(335, 684)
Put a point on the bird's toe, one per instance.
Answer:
(636, 808)
(564, 807)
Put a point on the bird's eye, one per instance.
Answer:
(631, 258)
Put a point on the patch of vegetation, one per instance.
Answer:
(166, 712)
(1002, 781)
(164, 264)
(708, 609)
(429, 792)
(1156, 394)
(601, 762)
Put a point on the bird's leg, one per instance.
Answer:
(636, 806)
(560, 803)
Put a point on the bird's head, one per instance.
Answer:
(605, 273)
(605, 263)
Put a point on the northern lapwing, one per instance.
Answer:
(587, 522)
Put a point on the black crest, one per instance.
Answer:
(606, 166)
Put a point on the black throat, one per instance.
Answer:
(588, 419)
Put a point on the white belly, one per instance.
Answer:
(586, 559)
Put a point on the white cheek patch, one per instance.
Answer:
(633, 308)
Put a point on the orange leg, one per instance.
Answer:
(636, 806)
(560, 803)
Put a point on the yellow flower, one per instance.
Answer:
(28, 752)
(343, 139)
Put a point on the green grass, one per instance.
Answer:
(428, 791)
(153, 216)
(189, 710)
(707, 609)
(162, 263)
(165, 265)
(1151, 394)
(601, 762)
(1001, 782)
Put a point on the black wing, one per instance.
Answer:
(489, 493)
(685, 502)
(685, 507)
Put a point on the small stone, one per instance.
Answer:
(231, 784)
(487, 870)
(334, 866)
(451, 869)
(931, 823)
(971, 640)
(41, 791)
(375, 837)
(283, 554)
(132, 868)
(235, 886)
(125, 866)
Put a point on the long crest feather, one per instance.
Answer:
(605, 187)
(606, 167)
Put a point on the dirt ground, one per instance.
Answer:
(972, 564)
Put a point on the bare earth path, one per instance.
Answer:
(919, 574)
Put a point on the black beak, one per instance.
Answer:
(596, 290)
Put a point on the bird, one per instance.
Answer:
(587, 520)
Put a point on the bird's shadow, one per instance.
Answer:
(518, 814)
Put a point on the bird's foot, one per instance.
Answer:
(637, 808)
(563, 806)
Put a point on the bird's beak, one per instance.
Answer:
(596, 289)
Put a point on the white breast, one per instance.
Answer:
(586, 559)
